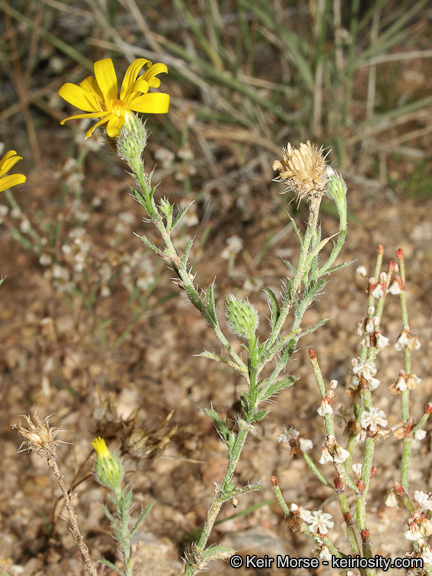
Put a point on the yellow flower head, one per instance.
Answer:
(101, 448)
(108, 468)
(99, 96)
(6, 163)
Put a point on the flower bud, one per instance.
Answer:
(108, 468)
(337, 190)
(132, 138)
(242, 317)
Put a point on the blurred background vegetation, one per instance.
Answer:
(245, 77)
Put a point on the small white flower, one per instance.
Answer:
(425, 500)
(426, 527)
(361, 271)
(304, 514)
(373, 384)
(288, 435)
(325, 455)
(378, 291)
(413, 533)
(25, 226)
(325, 554)
(306, 444)
(340, 454)
(412, 380)
(381, 341)
(357, 469)
(397, 286)
(320, 522)
(391, 500)
(401, 381)
(235, 245)
(45, 260)
(325, 407)
(369, 326)
(420, 435)
(407, 339)
(367, 371)
(372, 419)
(426, 554)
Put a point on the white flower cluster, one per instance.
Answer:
(373, 419)
(319, 522)
(365, 370)
(332, 452)
(293, 435)
(407, 339)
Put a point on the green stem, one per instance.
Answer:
(300, 273)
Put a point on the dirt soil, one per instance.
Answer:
(53, 360)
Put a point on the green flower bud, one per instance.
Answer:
(108, 468)
(242, 317)
(132, 138)
(337, 191)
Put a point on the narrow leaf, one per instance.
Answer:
(186, 255)
(273, 305)
(150, 244)
(211, 306)
(259, 415)
(141, 518)
(218, 553)
(334, 268)
(180, 215)
(112, 566)
(212, 356)
(276, 388)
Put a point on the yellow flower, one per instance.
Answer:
(6, 163)
(108, 468)
(101, 448)
(99, 96)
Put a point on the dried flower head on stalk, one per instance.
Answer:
(304, 169)
(40, 437)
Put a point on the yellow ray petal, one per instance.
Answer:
(11, 180)
(131, 76)
(79, 97)
(91, 115)
(150, 74)
(91, 85)
(8, 161)
(114, 125)
(93, 128)
(140, 85)
(106, 78)
(153, 103)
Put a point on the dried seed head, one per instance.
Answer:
(304, 170)
(39, 437)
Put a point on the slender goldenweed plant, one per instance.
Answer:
(264, 361)
(306, 172)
